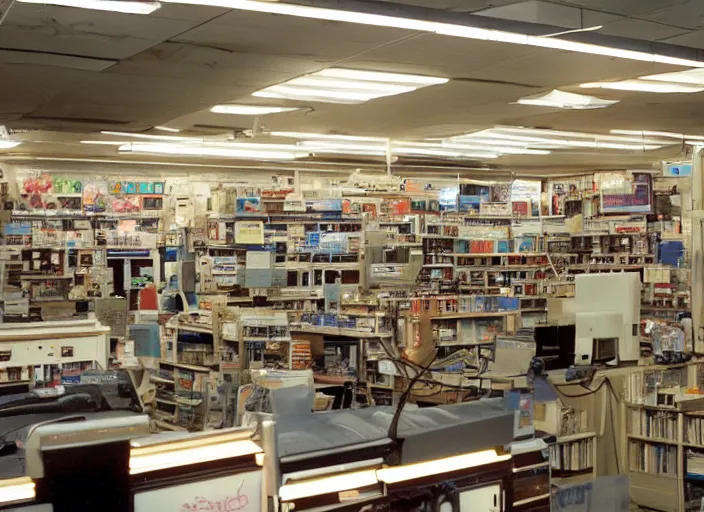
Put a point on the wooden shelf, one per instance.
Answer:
(575, 437)
(453, 316)
(653, 440)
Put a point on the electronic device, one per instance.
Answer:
(607, 309)
(598, 337)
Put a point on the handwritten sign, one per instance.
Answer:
(606, 494)
(235, 493)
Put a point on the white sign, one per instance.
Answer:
(605, 494)
(235, 493)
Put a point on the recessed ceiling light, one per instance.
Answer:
(566, 101)
(250, 110)
(123, 6)
(439, 28)
(641, 85)
(339, 85)
(9, 144)
(167, 129)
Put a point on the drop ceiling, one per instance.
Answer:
(66, 73)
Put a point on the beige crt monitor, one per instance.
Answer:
(608, 294)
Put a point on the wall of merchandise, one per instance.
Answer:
(208, 280)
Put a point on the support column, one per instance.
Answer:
(697, 248)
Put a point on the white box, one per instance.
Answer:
(613, 293)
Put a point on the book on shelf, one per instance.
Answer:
(694, 430)
(574, 456)
(657, 459)
(555, 418)
(650, 423)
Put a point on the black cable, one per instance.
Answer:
(393, 427)
(613, 428)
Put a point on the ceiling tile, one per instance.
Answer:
(457, 5)
(24, 87)
(694, 39)
(84, 32)
(624, 7)
(689, 15)
(639, 29)
(256, 40)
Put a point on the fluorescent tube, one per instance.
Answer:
(105, 142)
(167, 129)
(143, 460)
(396, 474)
(250, 110)
(172, 138)
(329, 484)
(671, 135)
(212, 151)
(9, 144)
(376, 76)
(327, 136)
(103, 5)
(439, 28)
(340, 85)
(17, 489)
(645, 86)
(507, 150)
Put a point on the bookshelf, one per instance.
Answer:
(664, 444)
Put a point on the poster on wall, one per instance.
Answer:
(94, 196)
(249, 233)
(63, 185)
(448, 198)
(400, 207)
(324, 205)
(36, 184)
(233, 493)
(626, 193)
(248, 205)
(124, 204)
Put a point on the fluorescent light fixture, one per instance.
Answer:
(340, 85)
(448, 29)
(134, 7)
(341, 146)
(250, 110)
(172, 138)
(396, 474)
(9, 144)
(645, 86)
(105, 142)
(329, 484)
(378, 76)
(542, 139)
(670, 135)
(690, 76)
(327, 136)
(569, 134)
(410, 151)
(566, 101)
(507, 150)
(167, 129)
(16, 489)
(145, 459)
(261, 153)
